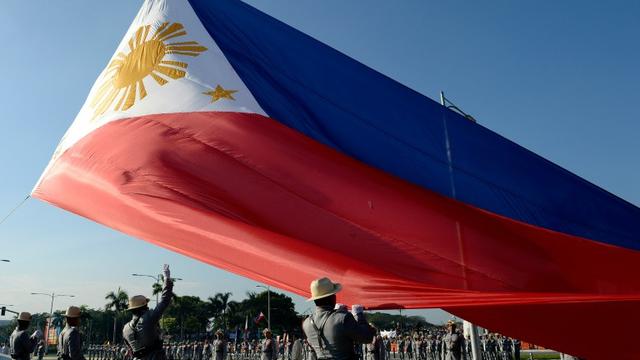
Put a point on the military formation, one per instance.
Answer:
(331, 332)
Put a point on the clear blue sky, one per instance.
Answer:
(561, 78)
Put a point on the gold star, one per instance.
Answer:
(220, 93)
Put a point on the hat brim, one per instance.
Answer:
(72, 316)
(138, 306)
(336, 289)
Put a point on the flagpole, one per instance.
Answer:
(473, 330)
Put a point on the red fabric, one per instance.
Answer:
(246, 194)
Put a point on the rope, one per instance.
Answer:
(14, 209)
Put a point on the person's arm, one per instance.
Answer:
(165, 298)
(358, 330)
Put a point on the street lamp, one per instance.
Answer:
(157, 278)
(52, 296)
(268, 304)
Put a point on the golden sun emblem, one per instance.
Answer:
(125, 74)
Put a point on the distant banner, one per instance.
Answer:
(52, 335)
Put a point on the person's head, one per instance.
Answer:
(267, 333)
(451, 327)
(138, 305)
(219, 334)
(323, 292)
(73, 316)
(24, 320)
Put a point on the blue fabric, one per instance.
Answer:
(342, 103)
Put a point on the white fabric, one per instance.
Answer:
(204, 73)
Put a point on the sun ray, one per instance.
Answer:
(186, 48)
(158, 79)
(143, 90)
(100, 93)
(170, 72)
(175, 63)
(119, 103)
(123, 78)
(107, 101)
(183, 53)
(181, 33)
(170, 30)
(183, 43)
(158, 30)
(131, 96)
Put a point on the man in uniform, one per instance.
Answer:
(219, 346)
(269, 351)
(142, 334)
(70, 342)
(332, 333)
(20, 343)
(453, 343)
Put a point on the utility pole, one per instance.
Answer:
(52, 296)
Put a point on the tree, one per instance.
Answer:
(220, 304)
(117, 303)
(283, 314)
(190, 313)
(157, 289)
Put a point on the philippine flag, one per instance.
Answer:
(223, 134)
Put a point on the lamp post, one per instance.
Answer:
(52, 296)
(268, 304)
(157, 278)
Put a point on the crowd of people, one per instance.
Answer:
(331, 332)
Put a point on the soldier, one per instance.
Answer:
(20, 343)
(142, 334)
(516, 349)
(219, 346)
(332, 333)
(453, 343)
(269, 351)
(70, 344)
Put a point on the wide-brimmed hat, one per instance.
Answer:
(137, 301)
(323, 287)
(72, 312)
(24, 316)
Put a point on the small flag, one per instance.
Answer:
(259, 318)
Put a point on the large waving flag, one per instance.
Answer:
(223, 134)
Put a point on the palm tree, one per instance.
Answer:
(117, 302)
(221, 304)
(157, 289)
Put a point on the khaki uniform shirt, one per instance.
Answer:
(219, 350)
(453, 345)
(339, 331)
(269, 350)
(142, 333)
(21, 345)
(70, 344)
